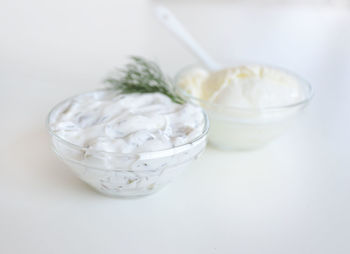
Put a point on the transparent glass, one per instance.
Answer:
(127, 174)
(234, 128)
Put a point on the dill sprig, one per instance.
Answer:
(143, 76)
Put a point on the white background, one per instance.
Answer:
(290, 197)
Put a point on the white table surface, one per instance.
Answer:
(290, 197)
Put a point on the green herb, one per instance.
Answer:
(143, 76)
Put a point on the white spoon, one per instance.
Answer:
(168, 19)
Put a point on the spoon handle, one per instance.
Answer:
(172, 23)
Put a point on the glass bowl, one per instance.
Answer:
(127, 174)
(234, 128)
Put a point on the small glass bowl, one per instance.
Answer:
(234, 128)
(127, 174)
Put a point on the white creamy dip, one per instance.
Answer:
(251, 87)
(126, 123)
(247, 105)
(127, 144)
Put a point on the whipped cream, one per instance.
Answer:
(251, 87)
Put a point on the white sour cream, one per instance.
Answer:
(127, 145)
(132, 123)
(251, 87)
(247, 105)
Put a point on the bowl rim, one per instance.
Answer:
(143, 155)
(310, 93)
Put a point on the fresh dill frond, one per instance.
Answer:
(143, 76)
